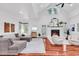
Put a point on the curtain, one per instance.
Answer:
(23, 28)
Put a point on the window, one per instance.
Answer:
(23, 27)
(6, 27)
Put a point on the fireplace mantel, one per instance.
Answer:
(55, 28)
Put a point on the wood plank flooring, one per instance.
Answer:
(55, 50)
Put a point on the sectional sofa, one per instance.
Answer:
(11, 45)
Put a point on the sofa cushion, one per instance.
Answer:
(17, 38)
(18, 45)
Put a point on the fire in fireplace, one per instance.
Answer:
(56, 32)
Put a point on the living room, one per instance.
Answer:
(33, 24)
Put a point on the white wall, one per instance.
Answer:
(45, 18)
(5, 17)
(74, 19)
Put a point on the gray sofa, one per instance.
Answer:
(9, 47)
(23, 37)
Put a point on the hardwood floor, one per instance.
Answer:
(55, 50)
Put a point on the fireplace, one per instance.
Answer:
(56, 32)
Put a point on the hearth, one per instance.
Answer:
(56, 32)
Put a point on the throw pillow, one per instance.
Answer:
(1, 36)
(16, 35)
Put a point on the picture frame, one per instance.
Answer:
(8, 27)
(72, 27)
(55, 22)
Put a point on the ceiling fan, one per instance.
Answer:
(63, 4)
(60, 4)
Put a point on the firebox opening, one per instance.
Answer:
(55, 32)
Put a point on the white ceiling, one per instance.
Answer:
(32, 10)
(15, 9)
(69, 9)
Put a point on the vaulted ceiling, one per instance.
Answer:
(33, 10)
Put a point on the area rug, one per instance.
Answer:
(35, 46)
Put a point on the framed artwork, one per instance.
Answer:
(6, 27)
(55, 21)
(73, 27)
(12, 27)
